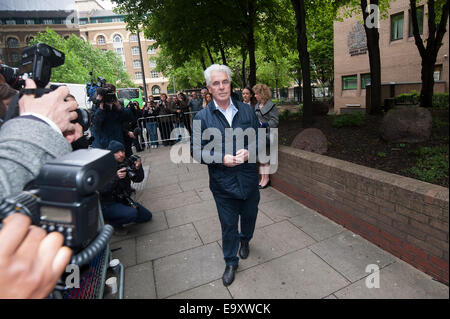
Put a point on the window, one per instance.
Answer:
(10, 21)
(156, 90)
(350, 82)
(118, 51)
(101, 40)
(365, 80)
(437, 72)
(153, 64)
(397, 27)
(133, 38)
(14, 57)
(12, 43)
(135, 50)
(419, 21)
(151, 50)
(136, 64)
(29, 21)
(48, 21)
(28, 39)
(117, 39)
(138, 75)
(116, 20)
(155, 74)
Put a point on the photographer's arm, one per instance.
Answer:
(30, 260)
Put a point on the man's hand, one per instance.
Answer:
(122, 173)
(51, 105)
(75, 134)
(241, 156)
(131, 134)
(138, 163)
(30, 260)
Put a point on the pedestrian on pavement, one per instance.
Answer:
(267, 114)
(195, 103)
(248, 96)
(233, 179)
(165, 120)
(203, 93)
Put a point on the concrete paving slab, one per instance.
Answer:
(212, 290)
(397, 281)
(166, 242)
(297, 275)
(268, 194)
(125, 251)
(158, 172)
(198, 183)
(190, 213)
(350, 255)
(274, 241)
(172, 201)
(204, 193)
(189, 269)
(197, 174)
(317, 226)
(158, 223)
(158, 192)
(162, 181)
(283, 208)
(139, 282)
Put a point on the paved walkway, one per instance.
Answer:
(295, 252)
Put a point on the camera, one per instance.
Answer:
(64, 196)
(37, 63)
(130, 165)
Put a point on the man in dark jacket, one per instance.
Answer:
(233, 178)
(117, 207)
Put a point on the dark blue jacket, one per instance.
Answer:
(228, 182)
(106, 126)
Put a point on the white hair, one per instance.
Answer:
(216, 68)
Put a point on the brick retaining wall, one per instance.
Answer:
(403, 216)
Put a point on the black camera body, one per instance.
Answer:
(64, 196)
(109, 96)
(129, 164)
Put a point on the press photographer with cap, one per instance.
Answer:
(117, 206)
(31, 261)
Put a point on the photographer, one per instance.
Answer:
(41, 132)
(131, 130)
(117, 206)
(107, 117)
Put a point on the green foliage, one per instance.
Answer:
(412, 98)
(432, 164)
(81, 58)
(285, 115)
(381, 154)
(349, 120)
(440, 100)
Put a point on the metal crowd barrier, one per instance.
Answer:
(165, 129)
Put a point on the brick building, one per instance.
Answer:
(92, 22)
(400, 58)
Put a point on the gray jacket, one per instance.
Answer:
(25, 146)
(267, 114)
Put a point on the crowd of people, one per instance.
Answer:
(116, 127)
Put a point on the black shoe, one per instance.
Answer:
(265, 186)
(228, 275)
(244, 250)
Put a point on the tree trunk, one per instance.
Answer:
(222, 53)
(209, 54)
(202, 60)
(251, 42)
(302, 46)
(429, 53)
(373, 47)
(244, 76)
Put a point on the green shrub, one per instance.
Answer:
(412, 98)
(349, 120)
(285, 115)
(432, 164)
(440, 100)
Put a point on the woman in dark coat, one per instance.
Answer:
(267, 114)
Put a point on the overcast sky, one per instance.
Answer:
(44, 4)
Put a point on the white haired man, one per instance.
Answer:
(233, 179)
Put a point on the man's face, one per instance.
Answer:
(203, 93)
(194, 95)
(220, 87)
(119, 156)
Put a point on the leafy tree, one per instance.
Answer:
(437, 21)
(81, 58)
